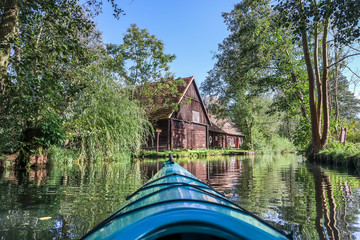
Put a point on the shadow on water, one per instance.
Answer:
(64, 202)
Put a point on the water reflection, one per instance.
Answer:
(311, 201)
(65, 202)
(71, 200)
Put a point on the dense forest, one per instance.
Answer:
(279, 75)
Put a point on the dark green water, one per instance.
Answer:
(65, 202)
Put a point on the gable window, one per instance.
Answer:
(195, 116)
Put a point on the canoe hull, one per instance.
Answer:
(175, 202)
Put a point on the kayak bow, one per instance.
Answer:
(174, 204)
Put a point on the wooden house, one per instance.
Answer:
(189, 127)
(224, 134)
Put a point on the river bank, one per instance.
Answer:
(339, 154)
(338, 159)
(198, 153)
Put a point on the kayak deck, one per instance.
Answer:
(174, 204)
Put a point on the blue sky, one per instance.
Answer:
(190, 29)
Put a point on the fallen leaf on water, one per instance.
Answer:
(44, 218)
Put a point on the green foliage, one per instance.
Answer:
(103, 122)
(353, 130)
(302, 135)
(322, 26)
(341, 152)
(258, 74)
(280, 144)
(143, 68)
(187, 153)
(63, 156)
(349, 105)
(273, 143)
(10, 134)
(344, 15)
(52, 132)
(48, 52)
(144, 54)
(264, 54)
(63, 83)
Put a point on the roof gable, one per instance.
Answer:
(167, 112)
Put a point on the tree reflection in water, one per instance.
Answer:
(312, 201)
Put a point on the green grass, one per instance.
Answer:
(199, 153)
(348, 154)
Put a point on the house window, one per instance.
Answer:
(196, 116)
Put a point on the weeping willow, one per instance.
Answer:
(103, 123)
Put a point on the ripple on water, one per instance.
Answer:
(313, 201)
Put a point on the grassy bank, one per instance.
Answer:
(199, 153)
(339, 154)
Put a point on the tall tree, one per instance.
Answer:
(144, 57)
(312, 21)
(145, 68)
(257, 57)
(9, 12)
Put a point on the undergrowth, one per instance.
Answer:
(340, 152)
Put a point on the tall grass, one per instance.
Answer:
(341, 152)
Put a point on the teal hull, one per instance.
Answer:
(174, 204)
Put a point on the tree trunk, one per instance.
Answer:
(335, 92)
(325, 79)
(317, 76)
(7, 30)
(315, 128)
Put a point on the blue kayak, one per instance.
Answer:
(174, 204)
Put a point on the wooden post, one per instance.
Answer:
(158, 131)
(343, 135)
(169, 135)
(207, 137)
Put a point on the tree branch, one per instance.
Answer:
(352, 71)
(342, 59)
(358, 50)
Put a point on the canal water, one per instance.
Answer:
(64, 202)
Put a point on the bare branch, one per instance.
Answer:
(342, 59)
(352, 71)
(358, 50)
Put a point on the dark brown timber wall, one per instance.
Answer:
(163, 137)
(188, 135)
